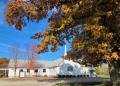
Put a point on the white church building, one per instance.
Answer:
(57, 68)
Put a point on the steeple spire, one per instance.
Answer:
(65, 50)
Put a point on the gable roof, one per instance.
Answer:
(43, 64)
(48, 64)
(20, 63)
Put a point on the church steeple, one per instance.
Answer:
(65, 50)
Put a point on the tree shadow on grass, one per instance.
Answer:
(85, 84)
(79, 84)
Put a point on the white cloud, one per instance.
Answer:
(5, 45)
(11, 46)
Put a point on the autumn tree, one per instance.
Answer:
(91, 26)
(31, 56)
(4, 62)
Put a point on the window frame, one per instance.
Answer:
(21, 70)
(44, 70)
(36, 70)
(28, 70)
(70, 68)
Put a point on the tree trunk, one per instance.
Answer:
(114, 74)
(15, 73)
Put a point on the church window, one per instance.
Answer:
(44, 70)
(36, 70)
(70, 68)
(21, 70)
(28, 70)
(92, 71)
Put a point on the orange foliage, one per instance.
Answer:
(4, 60)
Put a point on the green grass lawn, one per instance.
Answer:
(85, 84)
(102, 72)
(79, 84)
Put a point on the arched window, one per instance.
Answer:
(28, 70)
(21, 70)
(70, 68)
(36, 70)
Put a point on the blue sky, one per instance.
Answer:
(9, 36)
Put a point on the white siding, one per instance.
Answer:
(62, 69)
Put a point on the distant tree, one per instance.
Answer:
(31, 56)
(4, 62)
(32, 63)
(15, 54)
